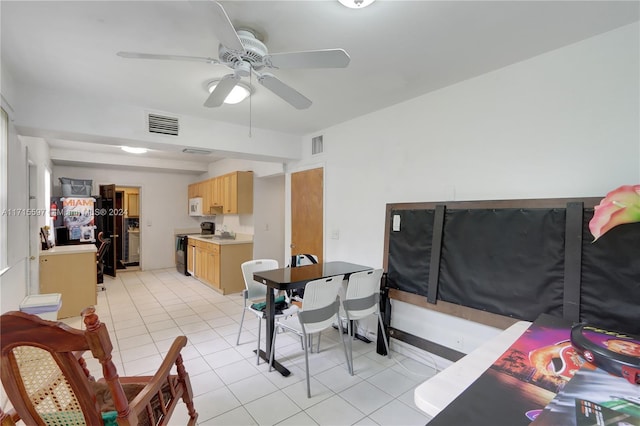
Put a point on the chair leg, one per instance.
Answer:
(344, 346)
(384, 336)
(258, 346)
(306, 364)
(318, 350)
(240, 329)
(273, 348)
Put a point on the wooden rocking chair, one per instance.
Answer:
(48, 383)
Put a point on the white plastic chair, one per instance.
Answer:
(255, 290)
(362, 299)
(320, 308)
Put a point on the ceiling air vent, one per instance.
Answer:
(316, 145)
(163, 124)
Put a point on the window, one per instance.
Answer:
(4, 139)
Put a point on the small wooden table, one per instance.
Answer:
(293, 278)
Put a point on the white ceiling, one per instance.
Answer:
(399, 50)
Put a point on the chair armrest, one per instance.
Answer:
(9, 418)
(159, 379)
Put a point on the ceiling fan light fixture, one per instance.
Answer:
(239, 93)
(356, 4)
(133, 149)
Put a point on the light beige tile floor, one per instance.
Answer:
(145, 311)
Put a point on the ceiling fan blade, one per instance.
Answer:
(327, 58)
(287, 93)
(224, 30)
(222, 90)
(136, 55)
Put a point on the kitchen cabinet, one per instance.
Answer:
(215, 194)
(130, 202)
(192, 190)
(227, 194)
(72, 272)
(133, 204)
(237, 193)
(218, 265)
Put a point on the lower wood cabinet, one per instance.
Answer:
(218, 265)
(72, 272)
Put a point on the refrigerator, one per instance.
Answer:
(74, 219)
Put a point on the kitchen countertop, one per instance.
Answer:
(240, 239)
(71, 249)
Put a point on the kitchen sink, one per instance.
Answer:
(217, 237)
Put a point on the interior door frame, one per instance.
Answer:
(288, 202)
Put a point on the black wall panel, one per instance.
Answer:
(610, 295)
(410, 251)
(505, 261)
(512, 262)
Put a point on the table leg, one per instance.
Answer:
(270, 329)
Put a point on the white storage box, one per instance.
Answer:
(46, 306)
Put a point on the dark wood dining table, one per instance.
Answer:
(294, 278)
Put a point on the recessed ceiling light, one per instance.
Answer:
(237, 95)
(356, 4)
(133, 150)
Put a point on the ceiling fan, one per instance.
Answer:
(242, 52)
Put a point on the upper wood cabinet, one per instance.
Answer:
(215, 193)
(227, 194)
(237, 193)
(133, 204)
(130, 202)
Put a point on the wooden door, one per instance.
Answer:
(108, 196)
(307, 212)
(119, 240)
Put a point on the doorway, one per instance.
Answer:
(307, 212)
(128, 250)
(122, 225)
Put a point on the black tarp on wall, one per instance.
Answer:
(610, 280)
(410, 251)
(511, 261)
(505, 261)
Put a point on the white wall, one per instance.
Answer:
(67, 116)
(14, 282)
(163, 206)
(38, 157)
(562, 124)
(268, 217)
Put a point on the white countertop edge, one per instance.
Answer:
(240, 239)
(436, 393)
(71, 249)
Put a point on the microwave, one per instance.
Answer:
(195, 206)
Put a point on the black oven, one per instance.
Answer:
(181, 253)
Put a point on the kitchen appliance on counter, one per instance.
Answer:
(208, 228)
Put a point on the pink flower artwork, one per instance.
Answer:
(619, 206)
